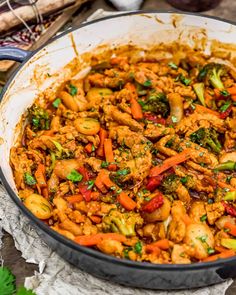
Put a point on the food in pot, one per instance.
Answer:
(137, 159)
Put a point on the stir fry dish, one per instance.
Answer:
(137, 159)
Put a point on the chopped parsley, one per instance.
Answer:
(74, 176)
(210, 250)
(174, 119)
(184, 180)
(224, 93)
(225, 106)
(202, 239)
(90, 184)
(183, 79)
(138, 247)
(104, 164)
(203, 218)
(29, 179)
(173, 66)
(126, 252)
(56, 102)
(73, 90)
(123, 172)
(147, 83)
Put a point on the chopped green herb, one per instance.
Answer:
(138, 247)
(74, 176)
(29, 179)
(73, 90)
(203, 218)
(119, 191)
(147, 199)
(224, 93)
(56, 102)
(123, 172)
(183, 79)
(145, 191)
(141, 102)
(173, 66)
(184, 179)
(225, 106)
(147, 83)
(174, 119)
(93, 148)
(228, 178)
(210, 250)
(90, 184)
(104, 164)
(202, 239)
(126, 252)
(182, 254)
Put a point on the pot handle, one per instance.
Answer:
(13, 53)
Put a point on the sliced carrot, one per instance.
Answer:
(233, 97)
(201, 109)
(126, 202)
(45, 192)
(224, 254)
(89, 148)
(220, 249)
(232, 90)
(75, 198)
(99, 183)
(95, 239)
(186, 219)
(102, 135)
(40, 176)
(162, 244)
(231, 227)
(96, 219)
(136, 109)
(109, 154)
(95, 196)
(153, 249)
(217, 92)
(103, 181)
(170, 162)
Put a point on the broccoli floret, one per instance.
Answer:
(170, 183)
(123, 223)
(199, 90)
(157, 103)
(38, 118)
(213, 73)
(207, 138)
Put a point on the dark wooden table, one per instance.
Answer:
(12, 258)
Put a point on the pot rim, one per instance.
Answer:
(69, 243)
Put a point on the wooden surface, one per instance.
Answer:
(12, 258)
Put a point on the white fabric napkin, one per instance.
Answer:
(57, 277)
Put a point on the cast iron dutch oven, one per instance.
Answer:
(142, 29)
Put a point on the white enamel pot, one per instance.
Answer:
(140, 28)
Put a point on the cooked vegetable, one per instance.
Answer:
(137, 158)
(213, 73)
(39, 206)
(207, 138)
(157, 103)
(39, 118)
(199, 90)
(87, 126)
(123, 223)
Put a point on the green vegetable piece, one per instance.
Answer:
(229, 243)
(126, 252)
(183, 80)
(104, 164)
(39, 118)
(203, 218)
(24, 291)
(173, 66)
(123, 172)
(73, 90)
(7, 281)
(156, 102)
(210, 250)
(202, 239)
(212, 72)
(225, 106)
(138, 247)
(207, 138)
(230, 196)
(199, 90)
(74, 176)
(224, 93)
(174, 119)
(90, 184)
(123, 223)
(229, 165)
(29, 179)
(56, 102)
(184, 179)
(147, 83)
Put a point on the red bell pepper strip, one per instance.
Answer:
(85, 192)
(84, 172)
(154, 119)
(154, 182)
(230, 209)
(225, 114)
(155, 203)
